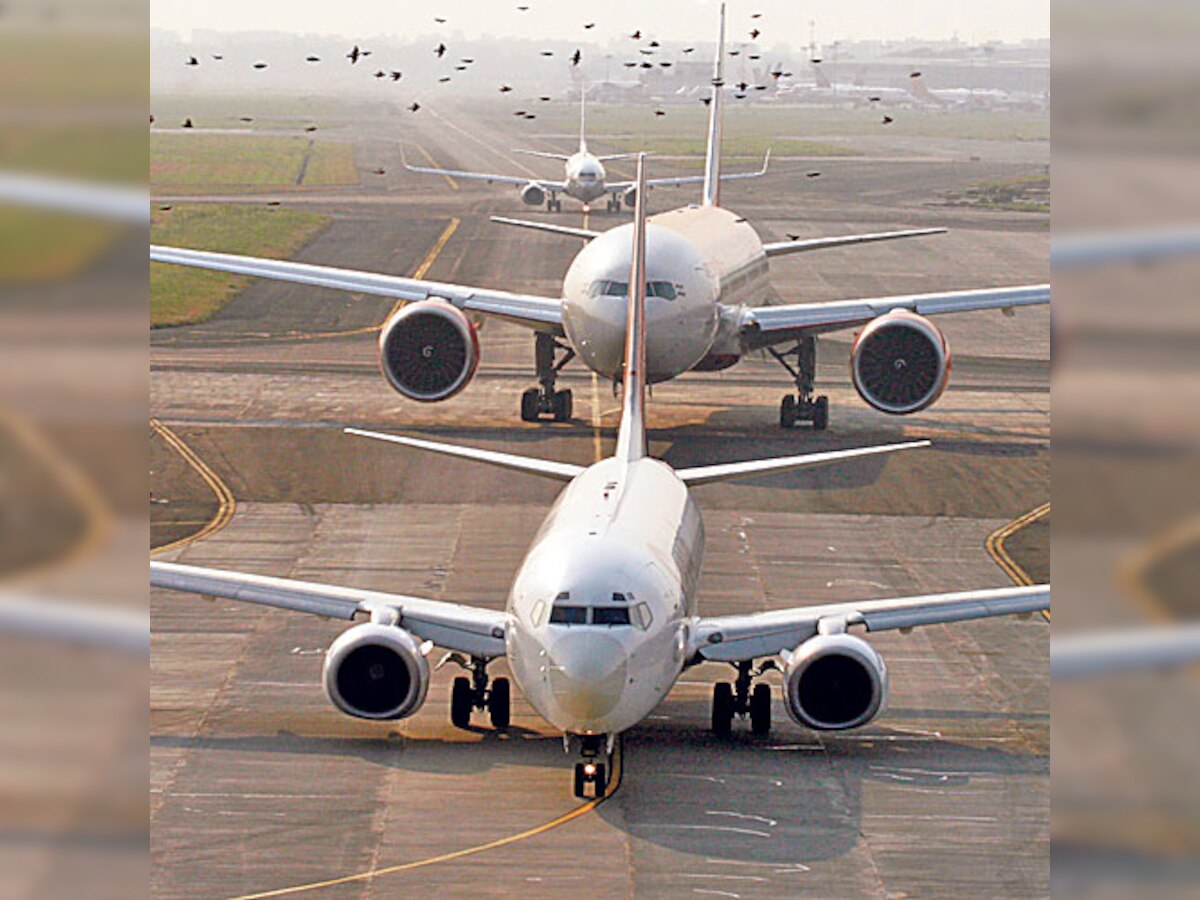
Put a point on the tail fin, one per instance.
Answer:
(712, 159)
(583, 117)
(631, 438)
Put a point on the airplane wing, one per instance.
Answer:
(538, 313)
(1110, 652)
(586, 233)
(490, 178)
(124, 630)
(765, 325)
(101, 201)
(544, 154)
(620, 187)
(738, 638)
(468, 629)
(1080, 250)
(782, 248)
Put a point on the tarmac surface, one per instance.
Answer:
(258, 784)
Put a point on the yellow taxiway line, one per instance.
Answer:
(437, 165)
(225, 502)
(995, 545)
(575, 813)
(1131, 573)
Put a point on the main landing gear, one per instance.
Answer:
(537, 402)
(594, 771)
(802, 407)
(738, 699)
(613, 205)
(553, 204)
(470, 694)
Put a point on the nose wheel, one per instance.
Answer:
(802, 406)
(478, 692)
(594, 771)
(744, 699)
(545, 400)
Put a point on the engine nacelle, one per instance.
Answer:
(834, 681)
(532, 195)
(376, 671)
(900, 362)
(630, 197)
(428, 350)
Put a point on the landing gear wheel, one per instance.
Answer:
(820, 417)
(594, 774)
(529, 405)
(722, 708)
(462, 701)
(498, 703)
(760, 709)
(787, 412)
(562, 406)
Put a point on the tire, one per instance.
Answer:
(529, 405)
(462, 700)
(499, 705)
(821, 414)
(600, 785)
(722, 709)
(562, 406)
(787, 412)
(760, 709)
(580, 782)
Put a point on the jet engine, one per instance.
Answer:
(376, 671)
(428, 350)
(532, 195)
(900, 362)
(834, 681)
(630, 197)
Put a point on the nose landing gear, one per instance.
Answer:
(802, 407)
(738, 699)
(537, 402)
(478, 692)
(595, 769)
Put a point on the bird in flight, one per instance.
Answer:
(754, 33)
(888, 120)
(245, 118)
(310, 128)
(443, 79)
(187, 123)
(379, 171)
(637, 35)
(812, 175)
(734, 52)
(660, 112)
(756, 15)
(312, 59)
(914, 75)
(217, 56)
(414, 107)
(589, 25)
(439, 51)
(396, 76)
(689, 49)
(192, 61)
(547, 53)
(260, 65)
(653, 44)
(439, 20)
(544, 99)
(380, 73)
(576, 57)
(706, 100)
(354, 54)
(504, 88)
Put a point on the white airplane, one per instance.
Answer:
(601, 618)
(584, 178)
(709, 292)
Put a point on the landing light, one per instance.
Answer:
(589, 769)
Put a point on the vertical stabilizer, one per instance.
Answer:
(631, 438)
(583, 118)
(712, 159)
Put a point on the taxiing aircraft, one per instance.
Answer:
(708, 291)
(601, 618)
(585, 178)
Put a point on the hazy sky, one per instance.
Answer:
(786, 20)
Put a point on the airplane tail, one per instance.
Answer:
(712, 158)
(631, 437)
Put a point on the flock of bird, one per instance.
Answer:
(650, 48)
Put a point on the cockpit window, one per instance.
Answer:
(568, 615)
(610, 615)
(663, 289)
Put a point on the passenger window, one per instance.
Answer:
(568, 615)
(610, 615)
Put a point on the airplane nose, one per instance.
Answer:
(587, 674)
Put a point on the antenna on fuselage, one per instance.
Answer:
(712, 158)
(631, 438)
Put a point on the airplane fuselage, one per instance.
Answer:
(697, 258)
(600, 609)
(584, 177)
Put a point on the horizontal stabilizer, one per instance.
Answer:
(543, 153)
(609, 157)
(730, 471)
(545, 468)
(586, 233)
(781, 248)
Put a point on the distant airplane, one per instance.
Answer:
(601, 618)
(710, 299)
(585, 178)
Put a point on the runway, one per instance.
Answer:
(259, 785)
